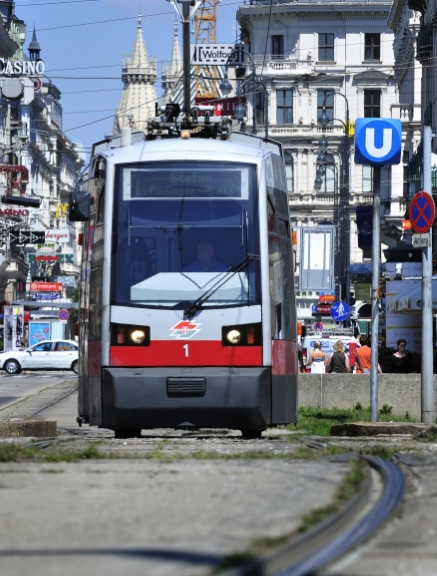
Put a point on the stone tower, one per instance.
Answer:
(137, 102)
(171, 71)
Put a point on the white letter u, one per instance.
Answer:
(387, 138)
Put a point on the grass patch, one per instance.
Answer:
(318, 422)
(350, 485)
(12, 452)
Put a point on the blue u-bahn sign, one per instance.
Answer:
(378, 141)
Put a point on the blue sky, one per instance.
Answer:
(85, 61)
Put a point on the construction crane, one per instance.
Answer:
(206, 33)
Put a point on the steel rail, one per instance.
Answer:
(314, 555)
(394, 486)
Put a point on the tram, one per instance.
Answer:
(187, 305)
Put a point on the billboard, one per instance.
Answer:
(317, 258)
(38, 331)
(13, 327)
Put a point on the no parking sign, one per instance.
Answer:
(63, 315)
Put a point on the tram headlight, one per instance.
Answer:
(242, 335)
(138, 336)
(233, 336)
(128, 335)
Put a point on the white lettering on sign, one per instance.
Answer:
(387, 139)
(21, 67)
(61, 235)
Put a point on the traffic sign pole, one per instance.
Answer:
(376, 250)
(428, 410)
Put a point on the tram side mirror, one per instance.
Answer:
(79, 208)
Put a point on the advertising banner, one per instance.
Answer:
(38, 331)
(13, 328)
(46, 286)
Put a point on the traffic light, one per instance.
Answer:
(28, 201)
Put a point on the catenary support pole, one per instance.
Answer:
(186, 45)
(376, 249)
(428, 409)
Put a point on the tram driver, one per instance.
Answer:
(205, 259)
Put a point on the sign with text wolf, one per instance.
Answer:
(216, 55)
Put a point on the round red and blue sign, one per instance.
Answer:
(63, 314)
(422, 212)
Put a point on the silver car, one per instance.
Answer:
(46, 355)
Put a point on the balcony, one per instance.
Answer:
(424, 42)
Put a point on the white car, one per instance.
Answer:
(46, 355)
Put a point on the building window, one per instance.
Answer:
(372, 103)
(284, 106)
(372, 47)
(259, 107)
(367, 179)
(326, 47)
(278, 46)
(289, 173)
(327, 173)
(329, 103)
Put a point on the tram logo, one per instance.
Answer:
(184, 330)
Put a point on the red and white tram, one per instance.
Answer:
(187, 306)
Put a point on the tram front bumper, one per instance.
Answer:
(202, 397)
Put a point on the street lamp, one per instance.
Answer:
(343, 231)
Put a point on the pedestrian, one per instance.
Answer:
(364, 355)
(339, 360)
(317, 359)
(401, 362)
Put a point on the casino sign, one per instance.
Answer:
(21, 67)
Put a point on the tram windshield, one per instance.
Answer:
(185, 231)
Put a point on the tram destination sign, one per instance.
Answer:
(187, 183)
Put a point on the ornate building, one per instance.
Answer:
(38, 163)
(137, 102)
(304, 52)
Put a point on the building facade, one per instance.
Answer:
(39, 164)
(315, 55)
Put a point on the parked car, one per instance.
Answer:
(46, 355)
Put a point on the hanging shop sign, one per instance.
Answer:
(59, 235)
(21, 67)
(46, 296)
(46, 286)
(61, 210)
(61, 258)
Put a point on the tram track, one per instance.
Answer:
(310, 553)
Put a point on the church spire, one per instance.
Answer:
(171, 70)
(138, 73)
(34, 47)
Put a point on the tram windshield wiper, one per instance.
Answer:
(197, 304)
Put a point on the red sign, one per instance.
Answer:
(46, 286)
(222, 106)
(326, 298)
(321, 310)
(422, 212)
(63, 314)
